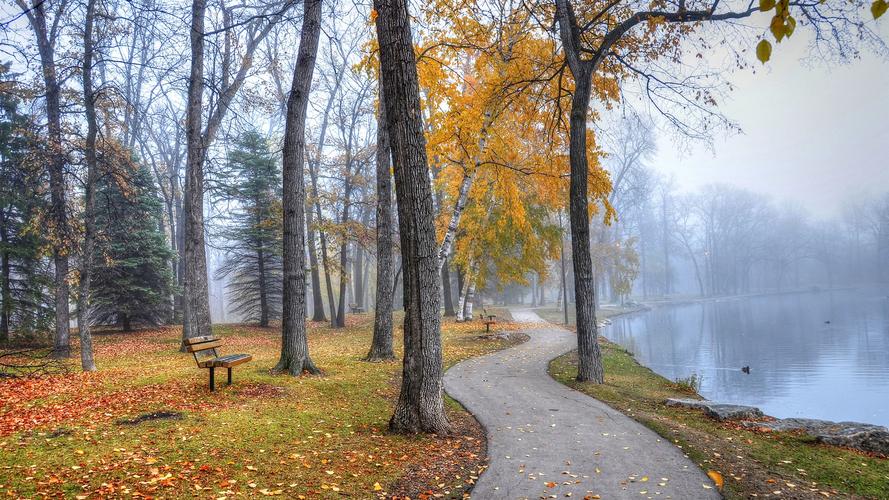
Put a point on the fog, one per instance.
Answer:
(811, 133)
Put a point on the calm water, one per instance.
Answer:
(800, 366)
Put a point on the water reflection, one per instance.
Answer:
(819, 355)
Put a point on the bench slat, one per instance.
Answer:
(198, 340)
(203, 346)
(231, 360)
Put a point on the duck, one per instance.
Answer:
(827, 322)
(746, 370)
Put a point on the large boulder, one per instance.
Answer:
(864, 437)
(719, 411)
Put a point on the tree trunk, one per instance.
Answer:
(589, 356)
(263, 288)
(668, 275)
(196, 292)
(56, 168)
(317, 301)
(420, 406)
(344, 245)
(344, 283)
(465, 279)
(469, 301)
(541, 286)
(5, 288)
(179, 299)
(318, 304)
(381, 346)
(89, 210)
(294, 345)
(446, 288)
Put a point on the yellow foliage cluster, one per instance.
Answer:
(495, 103)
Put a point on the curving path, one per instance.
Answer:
(541, 432)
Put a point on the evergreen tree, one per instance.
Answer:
(26, 304)
(133, 280)
(251, 233)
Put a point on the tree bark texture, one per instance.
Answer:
(381, 346)
(89, 212)
(420, 406)
(294, 344)
(196, 293)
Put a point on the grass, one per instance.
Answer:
(753, 464)
(314, 436)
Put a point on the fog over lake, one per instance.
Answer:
(816, 355)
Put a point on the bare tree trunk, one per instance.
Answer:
(196, 294)
(325, 261)
(541, 285)
(344, 245)
(420, 406)
(317, 301)
(446, 288)
(263, 288)
(589, 356)
(45, 37)
(668, 274)
(381, 346)
(465, 280)
(344, 284)
(5, 288)
(318, 304)
(294, 344)
(89, 211)
(469, 301)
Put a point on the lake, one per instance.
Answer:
(817, 355)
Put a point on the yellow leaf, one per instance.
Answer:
(378, 487)
(766, 5)
(878, 8)
(373, 15)
(790, 26)
(777, 27)
(716, 477)
(763, 51)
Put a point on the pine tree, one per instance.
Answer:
(26, 303)
(252, 232)
(133, 282)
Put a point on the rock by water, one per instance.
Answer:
(864, 437)
(719, 411)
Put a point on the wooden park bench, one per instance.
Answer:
(488, 320)
(204, 350)
(356, 309)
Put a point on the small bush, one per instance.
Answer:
(689, 384)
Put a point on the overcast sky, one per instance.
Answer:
(814, 135)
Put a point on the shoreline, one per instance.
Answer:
(759, 460)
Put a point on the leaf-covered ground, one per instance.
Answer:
(751, 464)
(146, 424)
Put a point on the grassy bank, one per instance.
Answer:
(323, 436)
(556, 316)
(753, 464)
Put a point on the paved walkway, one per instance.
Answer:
(548, 441)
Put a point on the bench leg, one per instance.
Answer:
(212, 378)
(487, 328)
(229, 376)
